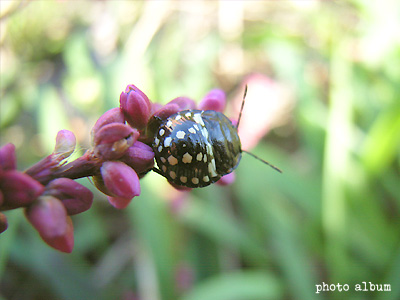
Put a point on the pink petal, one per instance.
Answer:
(120, 179)
(167, 110)
(114, 115)
(113, 140)
(214, 100)
(75, 197)
(19, 189)
(114, 132)
(160, 115)
(119, 202)
(226, 179)
(49, 217)
(65, 144)
(183, 103)
(136, 109)
(140, 157)
(132, 88)
(65, 242)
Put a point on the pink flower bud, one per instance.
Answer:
(132, 87)
(75, 197)
(155, 107)
(44, 168)
(167, 110)
(3, 223)
(135, 106)
(49, 217)
(114, 132)
(113, 140)
(63, 243)
(7, 157)
(65, 144)
(99, 183)
(19, 189)
(119, 202)
(113, 115)
(226, 179)
(183, 103)
(163, 113)
(120, 179)
(214, 100)
(140, 157)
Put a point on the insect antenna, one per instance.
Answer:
(263, 161)
(237, 126)
(241, 108)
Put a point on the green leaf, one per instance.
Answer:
(383, 140)
(249, 285)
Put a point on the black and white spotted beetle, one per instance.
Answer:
(195, 148)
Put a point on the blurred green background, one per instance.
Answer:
(332, 216)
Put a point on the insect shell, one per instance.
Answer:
(195, 148)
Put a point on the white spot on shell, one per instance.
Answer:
(209, 150)
(159, 148)
(188, 114)
(164, 168)
(169, 123)
(161, 132)
(156, 141)
(199, 156)
(198, 119)
(211, 169)
(172, 160)
(178, 117)
(163, 159)
(196, 127)
(183, 179)
(206, 179)
(172, 174)
(192, 130)
(213, 163)
(195, 180)
(204, 131)
(180, 134)
(187, 158)
(167, 141)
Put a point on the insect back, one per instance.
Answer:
(195, 148)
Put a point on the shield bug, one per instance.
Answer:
(195, 148)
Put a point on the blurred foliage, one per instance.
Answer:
(332, 216)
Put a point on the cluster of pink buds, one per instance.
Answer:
(120, 155)
(48, 204)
